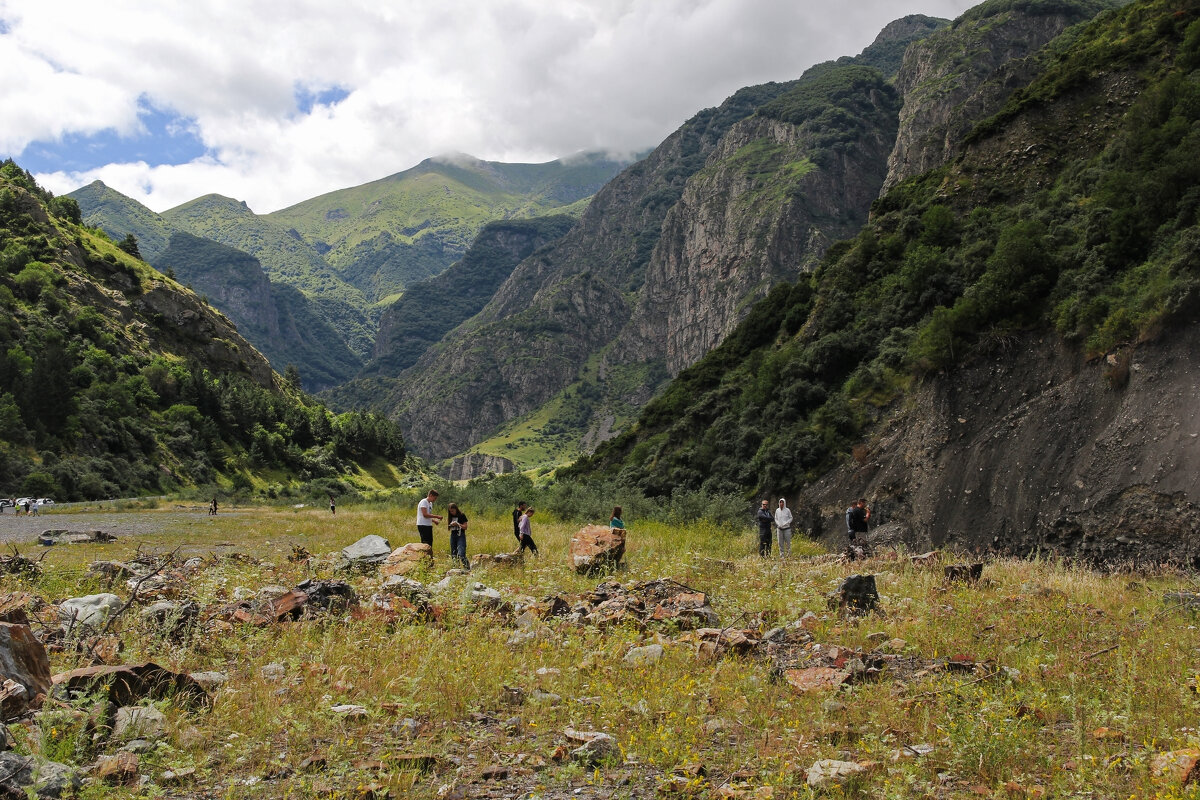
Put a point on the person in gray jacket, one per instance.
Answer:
(783, 528)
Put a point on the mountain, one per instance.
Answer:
(666, 259)
(385, 235)
(1004, 358)
(278, 319)
(116, 380)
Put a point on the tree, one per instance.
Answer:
(130, 245)
(291, 375)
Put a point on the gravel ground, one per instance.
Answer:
(21, 528)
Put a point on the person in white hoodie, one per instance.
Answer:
(783, 528)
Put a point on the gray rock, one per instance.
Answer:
(139, 746)
(21, 774)
(273, 671)
(210, 681)
(411, 590)
(24, 669)
(828, 772)
(366, 554)
(409, 727)
(512, 725)
(91, 611)
(600, 749)
(644, 656)
(139, 722)
(539, 697)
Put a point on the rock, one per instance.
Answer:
(405, 559)
(828, 772)
(513, 695)
(210, 681)
(511, 726)
(365, 554)
(91, 611)
(273, 671)
(171, 618)
(139, 746)
(53, 537)
(173, 777)
(926, 560)
(20, 775)
(814, 679)
(333, 596)
(1190, 600)
(877, 637)
(857, 594)
(965, 573)
(488, 598)
(644, 656)
(1177, 766)
(896, 645)
(413, 591)
(541, 698)
(121, 768)
(24, 670)
(351, 711)
(139, 722)
(598, 750)
(715, 725)
(115, 570)
(596, 548)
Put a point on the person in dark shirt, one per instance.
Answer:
(518, 512)
(526, 532)
(764, 520)
(856, 524)
(457, 523)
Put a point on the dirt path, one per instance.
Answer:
(22, 528)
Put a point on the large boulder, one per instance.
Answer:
(24, 670)
(365, 554)
(596, 548)
(90, 611)
(405, 559)
(20, 775)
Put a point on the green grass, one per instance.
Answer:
(1076, 652)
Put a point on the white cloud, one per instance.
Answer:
(514, 80)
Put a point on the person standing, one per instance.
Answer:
(456, 521)
(764, 520)
(856, 524)
(332, 505)
(783, 528)
(426, 519)
(616, 521)
(212, 508)
(518, 512)
(526, 532)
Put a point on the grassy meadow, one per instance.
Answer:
(1086, 677)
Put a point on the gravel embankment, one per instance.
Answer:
(21, 528)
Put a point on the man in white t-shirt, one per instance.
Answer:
(426, 519)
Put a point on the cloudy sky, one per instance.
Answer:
(276, 101)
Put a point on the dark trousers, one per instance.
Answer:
(426, 533)
(764, 542)
(458, 548)
(527, 543)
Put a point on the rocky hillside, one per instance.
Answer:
(116, 380)
(1005, 356)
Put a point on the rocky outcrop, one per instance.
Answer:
(962, 74)
(473, 465)
(1035, 449)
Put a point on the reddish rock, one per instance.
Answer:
(407, 558)
(815, 679)
(24, 670)
(596, 548)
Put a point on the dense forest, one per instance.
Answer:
(106, 390)
(1074, 211)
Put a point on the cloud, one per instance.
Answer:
(292, 99)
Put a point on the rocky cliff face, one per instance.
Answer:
(962, 74)
(1035, 449)
(762, 211)
(474, 465)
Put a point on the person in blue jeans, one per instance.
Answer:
(457, 523)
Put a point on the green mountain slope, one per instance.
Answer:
(285, 259)
(1072, 214)
(114, 379)
(384, 235)
(118, 216)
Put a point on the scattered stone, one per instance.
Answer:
(121, 768)
(365, 554)
(547, 672)
(24, 670)
(91, 611)
(829, 772)
(512, 695)
(411, 590)
(488, 598)
(814, 679)
(597, 748)
(210, 681)
(877, 637)
(912, 751)
(313, 764)
(541, 698)
(809, 621)
(498, 559)
(333, 596)
(53, 537)
(139, 746)
(494, 773)
(115, 570)
(127, 684)
(896, 645)
(1189, 600)
(715, 725)
(22, 775)
(856, 595)
(351, 711)
(927, 560)
(596, 548)
(173, 777)
(1177, 766)
(16, 564)
(139, 722)
(273, 671)
(644, 656)
(511, 726)
(405, 559)
(964, 573)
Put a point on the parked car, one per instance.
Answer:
(6, 503)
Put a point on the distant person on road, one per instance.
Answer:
(426, 519)
(37, 508)
(616, 521)
(27, 508)
(764, 520)
(856, 524)
(783, 528)
(456, 521)
(212, 508)
(518, 512)
(526, 532)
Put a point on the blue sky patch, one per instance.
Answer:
(168, 138)
(307, 98)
